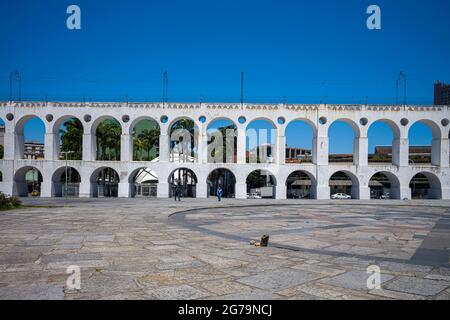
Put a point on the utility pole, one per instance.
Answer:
(16, 77)
(401, 77)
(165, 84)
(242, 89)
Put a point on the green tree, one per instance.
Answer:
(149, 139)
(72, 138)
(108, 140)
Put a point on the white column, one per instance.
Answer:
(280, 192)
(46, 188)
(445, 193)
(363, 193)
(241, 190)
(88, 147)
(202, 147)
(440, 152)
(360, 151)
(163, 149)
(126, 153)
(124, 190)
(400, 152)
(241, 146)
(9, 146)
(201, 190)
(405, 193)
(85, 190)
(163, 189)
(49, 146)
(322, 192)
(281, 146)
(320, 150)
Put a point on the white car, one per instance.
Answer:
(253, 196)
(340, 196)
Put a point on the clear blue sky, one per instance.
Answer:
(309, 51)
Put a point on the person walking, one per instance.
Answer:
(178, 192)
(219, 193)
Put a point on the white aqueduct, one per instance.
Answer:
(319, 117)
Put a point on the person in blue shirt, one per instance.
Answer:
(219, 193)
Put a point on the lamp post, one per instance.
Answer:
(66, 153)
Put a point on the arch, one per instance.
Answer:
(261, 183)
(185, 181)
(261, 140)
(59, 186)
(343, 154)
(224, 149)
(27, 181)
(384, 185)
(26, 148)
(344, 182)
(104, 182)
(425, 185)
(301, 184)
(139, 119)
(420, 150)
(299, 150)
(145, 132)
(143, 182)
(385, 152)
(224, 178)
(106, 133)
(69, 139)
(183, 140)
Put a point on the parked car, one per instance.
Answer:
(385, 195)
(253, 196)
(340, 196)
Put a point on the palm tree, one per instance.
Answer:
(108, 140)
(149, 138)
(72, 138)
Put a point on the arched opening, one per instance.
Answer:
(183, 140)
(223, 178)
(185, 181)
(342, 138)
(260, 141)
(222, 141)
(66, 182)
(105, 182)
(383, 141)
(27, 182)
(299, 185)
(424, 143)
(30, 137)
(425, 185)
(2, 138)
(261, 184)
(299, 141)
(384, 185)
(145, 135)
(344, 185)
(70, 138)
(144, 183)
(107, 139)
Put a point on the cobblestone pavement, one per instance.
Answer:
(199, 249)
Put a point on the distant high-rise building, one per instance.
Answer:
(441, 94)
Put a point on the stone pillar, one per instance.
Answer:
(85, 190)
(201, 190)
(360, 151)
(49, 146)
(202, 147)
(280, 192)
(322, 192)
(281, 146)
(404, 193)
(445, 193)
(126, 149)
(440, 152)
(363, 193)
(241, 146)
(163, 189)
(320, 151)
(9, 145)
(400, 152)
(241, 190)
(163, 148)
(46, 188)
(124, 190)
(88, 147)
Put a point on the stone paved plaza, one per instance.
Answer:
(199, 249)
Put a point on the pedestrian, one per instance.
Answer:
(178, 192)
(219, 193)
